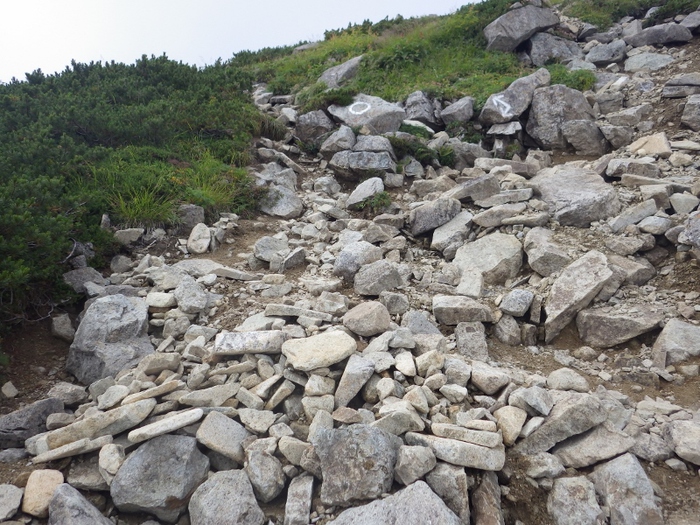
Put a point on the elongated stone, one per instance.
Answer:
(461, 453)
(240, 343)
(165, 426)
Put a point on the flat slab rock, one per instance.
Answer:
(414, 504)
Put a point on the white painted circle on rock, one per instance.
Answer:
(364, 107)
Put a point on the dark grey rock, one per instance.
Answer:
(511, 103)
(226, 497)
(334, 77)
(510, 30)
(545, 48)
(310, 126)
(459, 112)
(604, 54)
(69, 507)
(20, 425)
(660, 34)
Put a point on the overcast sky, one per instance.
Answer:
(48, 34)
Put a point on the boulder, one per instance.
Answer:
(357, 463)
(310, 126)
(691, 113)
(647, 62)
(585, 137)
(226, 497)
(603, 329)
(354, 164)
(551, 107)
(69, 507)
(336, 76)
(576, 196)
(626, 490)
(342, 140)
(451, 484)
(432, 215)
(283, 202)
(574, 289)
(660, 34)
(543, 255)
(18, 426)
(378, 115)
(354, 256)
(159, 477)
(414, 504)
(511, 103)
(459, 112)
(265, 473)
(39, 491)
(486, 501)
(420, 108)
(684, 439)
(512, 29)
(497, 257)
(545, 48)
(605, 54)
(319, 351)
(598, 444)
(572, 501)
(199, 239)
(677, 342)
(367, 319)
(365, 191)
(112, 336)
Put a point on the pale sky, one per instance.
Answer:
(48, 34)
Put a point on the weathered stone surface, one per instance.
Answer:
(69, 507)
(159, 477)
(354, 256)
(684, 438)
(605, 54)
(677, 342)
(486, 501)
(625, 488)
(487, 378)
(574, 289)
(660, 34)
(603, 329)
(355, 164)
(511, 103)
(691, 113)
(420, 108)
(357, 463)
(551, 107)
(414, 504)
(510, 422)
(367, 319)
(377, 114)
(377, 277)
(62, 327)
(265, 473)
(572, 501)
(112, 336)
(166, 425)
(567, 379)
(598, 444)
(199, 239)
(10, 500)
(77, 278)
(535, 400)
(513, 28)
(569, 417)
(497, 256)
(460, 111)
(647, 62)
(544, 256)
(101, 424)
(413, 463)
(39, 490)
(298, 506)
(517, 302)
(433, 215)
(20, 425)
(357, 372)
(365, 190)
(241, 343)
(336, 76)
(342, 140)
(282, 202)
(545, 48)
(226, 497)
(471, 341)
(455, 309)
(461, 453)
(453, 232)
(451, 484)
(312, 125)
(585, 137)
(319, 351)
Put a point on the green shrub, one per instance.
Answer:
(377, 202)
(417, 131)
(318, 96)
(582, 79)
(271, 128)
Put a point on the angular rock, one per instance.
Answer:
(159, 477)
(265, 473)
(433, 215)
(451, 484)
(354, 256)
(10, 500)
(461, 453)
(601, 329)
(691, 113)
(517, 302)
(310, 126)
(357, 463)
(226, 497)
(336, 76)
(684, 439)
(626, 490)
(460, 111)
(377, 114)
(319, 351)
(596, 445)
(241, 343)
(510, 104)
(647, 62)
(199, 239)
(413, 463)
(546, 48)
(39, 491)
(487, 501)
(512, 29)
(585, 137)
(357, 372)
(455, 309)
(677, 342)
(282, 202)
(298, 506)
(420, 108)
(605, 54)
(342, 140)
(497, 257)
(660, 34)
(414, 504)
(572, 501)
(544, 256)
(574, 289)
(112, 336)
(18, 426)
(69, 507)
(367, 319)
(453, 232)
(377, 277)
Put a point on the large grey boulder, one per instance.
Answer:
(677, 342)
(626, 490)
(459, 112)
(77, 278)
(310, 126)
(585, 137)
(364, 191)
(574, 289)
(20, 425)
(336, 76)
(660, 34)
(572, 502)
(420, 108)
(342, 140)
(282, 202)
(377, 277)
(357, 463)
(545, 47)
(355, 164)
(598, 444)
(451, 484)
(414, 504)
(510, 104)
(512, 29)
(112, 336)
(684, 439)
(377, 114)
(604, 54)
(265, 473)
(353, 257)
(465, 154)
(159, 477)
(497, 257)
(226, 497)
(432, 215)
(543, 255)
(69, 507)
(604, 329)
(576, 196)
(551, 107)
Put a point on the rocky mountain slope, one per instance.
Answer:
(507, 340)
